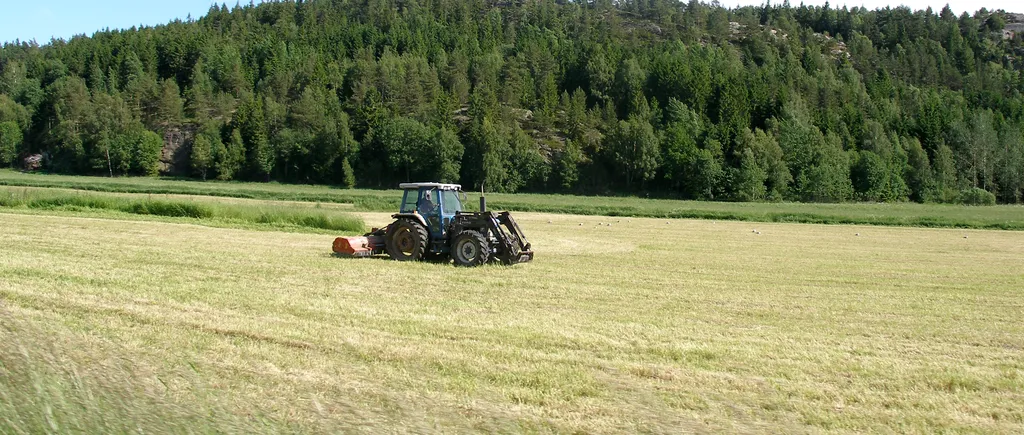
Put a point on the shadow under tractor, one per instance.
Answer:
(431, 225)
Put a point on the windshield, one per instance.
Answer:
(450, 201)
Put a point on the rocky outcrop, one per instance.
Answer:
(174, 158)
(33, 162)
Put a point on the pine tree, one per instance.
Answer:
(169, 106)
(567, 165)
(230, 161)
(448, 155)
(919, 171)
(201, 156)
(348, 174)
(199, 93)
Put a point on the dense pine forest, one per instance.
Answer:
(656, 97)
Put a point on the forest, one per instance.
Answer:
(642, 97)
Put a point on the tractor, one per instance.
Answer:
(431, 225)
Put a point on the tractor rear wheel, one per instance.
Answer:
(406, 240)
(470, 248)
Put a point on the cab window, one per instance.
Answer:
(450, 201)
(409, 201)
(427, 204)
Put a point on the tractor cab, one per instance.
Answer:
(436, 203)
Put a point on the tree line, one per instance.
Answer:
(668, 98)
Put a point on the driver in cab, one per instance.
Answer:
(428, 209)
(426, 206)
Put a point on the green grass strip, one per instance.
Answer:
(1004, 217)
(263, 214)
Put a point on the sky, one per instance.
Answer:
(41, 20)
(44, 19)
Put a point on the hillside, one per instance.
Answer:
(671, 99)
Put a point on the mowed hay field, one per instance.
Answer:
(641, 326)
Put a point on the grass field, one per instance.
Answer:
(1007, 217)
(646, 325)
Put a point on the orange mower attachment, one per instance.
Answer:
(362, 246)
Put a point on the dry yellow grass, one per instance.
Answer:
(641, 326)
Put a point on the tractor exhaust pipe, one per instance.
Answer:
(483, 199)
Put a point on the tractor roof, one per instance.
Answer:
(442, 186)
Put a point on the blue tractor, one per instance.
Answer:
(432, 225)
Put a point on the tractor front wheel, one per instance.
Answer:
(470, 248)
(406, 240)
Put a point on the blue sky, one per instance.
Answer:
(43, 19)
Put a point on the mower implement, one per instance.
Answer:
(363, 246)
(431, 225)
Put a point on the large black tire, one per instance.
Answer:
(470, 248)
(406, 240)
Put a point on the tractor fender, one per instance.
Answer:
(414, 216)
